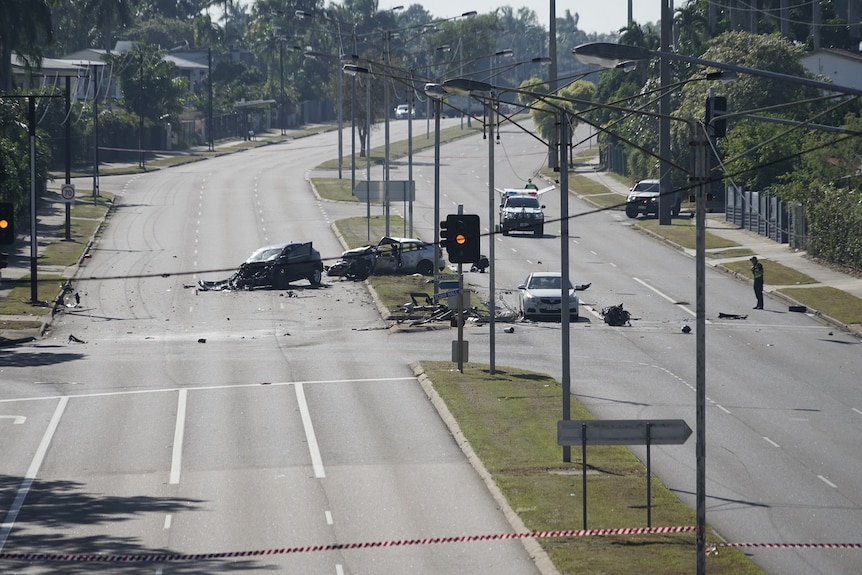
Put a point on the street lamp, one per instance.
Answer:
(436, 94)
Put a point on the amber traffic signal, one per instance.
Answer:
(7, 224)
(460, 235)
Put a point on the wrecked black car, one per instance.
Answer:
(389, 256)
(274, 267)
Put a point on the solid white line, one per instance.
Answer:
(32, 471)
(179, 431)
(209, 388)
(313, 449)
(826, 481)
(667, 297)
(771, 442)
(856, 410)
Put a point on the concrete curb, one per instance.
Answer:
(534, 550)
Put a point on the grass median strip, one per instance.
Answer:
(510, 420)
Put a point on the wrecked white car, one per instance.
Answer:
(389, 256)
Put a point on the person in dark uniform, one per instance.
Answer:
(757, 273)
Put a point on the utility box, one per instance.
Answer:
(461, 353)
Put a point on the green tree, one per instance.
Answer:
(25, 27)
(150, 89)
(693, 25)
(107, 16)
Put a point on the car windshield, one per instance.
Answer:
(650, 187)
(264, 254)
(545, 282)
(523, 202)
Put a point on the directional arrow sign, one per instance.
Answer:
(623, 432)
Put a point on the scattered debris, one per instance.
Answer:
(202, 340)
(615, 315)
(798, 308)
(72, 338)
(480, 266)
(509, 330)
(686, 329)
(731, 316)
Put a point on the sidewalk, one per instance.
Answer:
(765, 249)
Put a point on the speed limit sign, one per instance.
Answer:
(67, 191)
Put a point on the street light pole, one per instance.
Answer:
(281, 103)
(492, 239)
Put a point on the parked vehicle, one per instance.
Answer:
(643, 199)
(402, 111)
(541, 297)
(389, 256)
(274, 266)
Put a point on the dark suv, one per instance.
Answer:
(276, 266)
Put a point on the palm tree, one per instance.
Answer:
(25, 26)
(107, 15)
(693, 29)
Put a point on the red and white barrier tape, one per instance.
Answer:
(178, 557)
(182, 557)
(714, 548)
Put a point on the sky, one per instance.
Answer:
(595, 15)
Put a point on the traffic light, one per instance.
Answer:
(445, 232)
(7, 224)
(461, 236)
(716, 106)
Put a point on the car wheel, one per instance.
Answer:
(425, 268)
(632, 210)
(539, 231)
(315, 277)
(505, 231)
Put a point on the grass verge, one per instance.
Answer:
(775, 273)
(829, 301)
(397, 150)
(682, 232)
(18, 301)
(510, 420)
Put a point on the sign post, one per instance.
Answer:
(621, 432)
(67, 192)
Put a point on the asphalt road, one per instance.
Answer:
(784, 404)
(179, 421)
(783, 413)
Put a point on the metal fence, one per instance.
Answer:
(780, 221)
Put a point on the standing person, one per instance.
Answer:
(757, 272)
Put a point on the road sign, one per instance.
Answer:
(67, 192)
(375, 191)
(445, 294)
(623, 432)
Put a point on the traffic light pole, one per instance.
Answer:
(460, 317)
